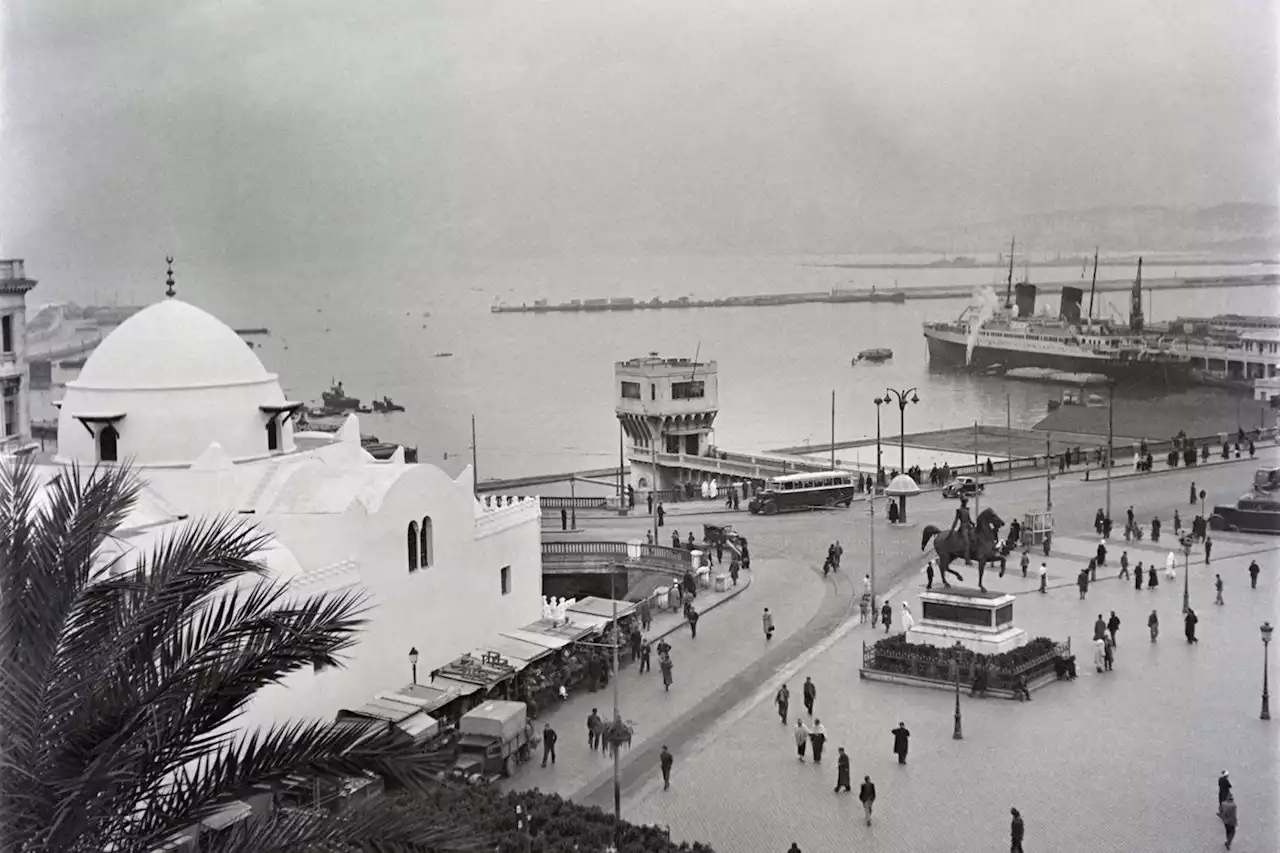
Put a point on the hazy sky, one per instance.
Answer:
(263, 130)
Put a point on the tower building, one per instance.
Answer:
(667, 407)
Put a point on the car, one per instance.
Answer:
(1250, 515)
(962, 487)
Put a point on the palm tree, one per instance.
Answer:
(121, 685)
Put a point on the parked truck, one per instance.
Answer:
(493, 738)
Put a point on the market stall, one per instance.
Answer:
(399, 712)
(489, 674)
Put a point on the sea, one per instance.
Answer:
(541, 388)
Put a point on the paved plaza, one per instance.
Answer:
(1123, 761)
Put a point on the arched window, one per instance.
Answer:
(273, 434)
(413, 546)
(108, 439)
(427, 551)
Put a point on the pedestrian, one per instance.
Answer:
(908, 621)
(645, 652)
(1138, 573)
(802, 737)
(842, 771)
(1224, 786)
(549, 738)
(1082, 581)
(1016, 830)
(649, 502)
(794, 848)
(593, 729)
(1102, 557)
(666, 759)
(1113, 625)
(664, 664)
(1099, 628)
(1253, 574)
(564, 519)
(1153, 625)
(900, 742)
(1025, 561)
(646, 615)
(1192, 499)
(886, 616)
(1152, 580)
(1124, 564)
(810, 693)
(1171, 567)
(766, 620)
(735, 568)
(1208, 547)
(693, 622)
(1044, 578)
(1099, 653)
(1108, 654)
(783, 701)
(818, 737)
(867, 794)
(864, 608)
(720, 552)
(866, 582)
(675, 539)
(1217, 584)
(1189, 625)
(928, 575)
(662, 515)
(1227, 812)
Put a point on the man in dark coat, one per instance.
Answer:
(842, 772)
(666, 759)
(1189, 625)
(549, 738)
(645, 655)
(867, 794)
(1016, 830)
(662, 515)
(1224, 787)
(810, 695)
(1113, 625)
(1253, 574)
(900, 737)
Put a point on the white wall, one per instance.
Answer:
(450, 608)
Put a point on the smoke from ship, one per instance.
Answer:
(987, 303)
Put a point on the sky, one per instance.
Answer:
(253, 132)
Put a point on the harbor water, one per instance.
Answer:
(541, 386)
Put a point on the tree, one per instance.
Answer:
(121, 685)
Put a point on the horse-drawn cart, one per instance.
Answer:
(721, 534)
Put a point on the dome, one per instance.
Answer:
(902, 486)
(171, 344)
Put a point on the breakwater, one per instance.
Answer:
(867, 295)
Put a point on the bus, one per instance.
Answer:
(794, 492)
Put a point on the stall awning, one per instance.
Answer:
(462, 688)
(520, 652)
(586, 622)
(601, 607)
(408, 718)
(428, 698)
(547, 641)
(485, 669)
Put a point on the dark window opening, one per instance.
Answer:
(506, 580)
(631, 390)
(10, 416)
(6, 333)
(413, 546)
(426, 544)
(653, 391)
(273, 434)
(108, 444)
(694, 390)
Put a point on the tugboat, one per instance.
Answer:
(386, 404)
(336, 398)
(876, 355)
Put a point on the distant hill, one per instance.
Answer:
(1237, 229)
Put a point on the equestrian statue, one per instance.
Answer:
(979, 542)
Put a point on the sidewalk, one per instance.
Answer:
(1125, 760)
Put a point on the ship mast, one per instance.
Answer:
(1008, 288)
(1094, 286)
(1135, 302)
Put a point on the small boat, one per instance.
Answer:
(877, 354)
(336, 398)
(444, 355)
(386, 404)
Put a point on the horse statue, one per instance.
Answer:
(951, 545)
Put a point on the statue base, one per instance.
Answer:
(980, 621)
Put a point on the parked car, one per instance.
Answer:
(493, 738)
(962, 487)
(1250, 515)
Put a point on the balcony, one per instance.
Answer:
(12, 270)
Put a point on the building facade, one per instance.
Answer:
(667, 407)
(180, 397)
(15, 376)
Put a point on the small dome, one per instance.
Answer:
(171, 344)
(902, 486)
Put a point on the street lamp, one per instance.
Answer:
(957, 733)
(1266, 646)
(1202, 504)
(872, 502)
(1186, 573)
(902, 399)
(413, 662)
(1111, 409)
(879, 402)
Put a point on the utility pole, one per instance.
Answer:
(873, 547)
(1111, 409)
(653, 487)
(617, 717)
(1048, 472)
(1008, 434)
(977, 483)
(833, 429)
(622, 504)
(475, 469)
(573, 502)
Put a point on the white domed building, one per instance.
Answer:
(176, 394)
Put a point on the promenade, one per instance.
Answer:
(1126, 761)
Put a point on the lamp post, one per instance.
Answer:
(879, 402)
(1111, 408)
(413, 662)
(1186, 573)
(872, 502)
(958, 733)
(902, 399)
(1266, 646)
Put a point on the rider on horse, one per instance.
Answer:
(965, 523)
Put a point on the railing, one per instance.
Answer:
(552, 502)
(658, 557)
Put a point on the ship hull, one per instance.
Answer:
(954, 353)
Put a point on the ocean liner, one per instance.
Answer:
(1013, 335)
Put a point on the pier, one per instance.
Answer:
(837, 296)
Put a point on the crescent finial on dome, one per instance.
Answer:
(169, 291)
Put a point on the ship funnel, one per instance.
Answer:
(1070, 309)
(1025, 296)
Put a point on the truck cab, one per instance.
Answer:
(493, 738)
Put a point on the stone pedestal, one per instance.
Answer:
(980, 621)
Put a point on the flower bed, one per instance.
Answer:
(937, 663)
(556, 824)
